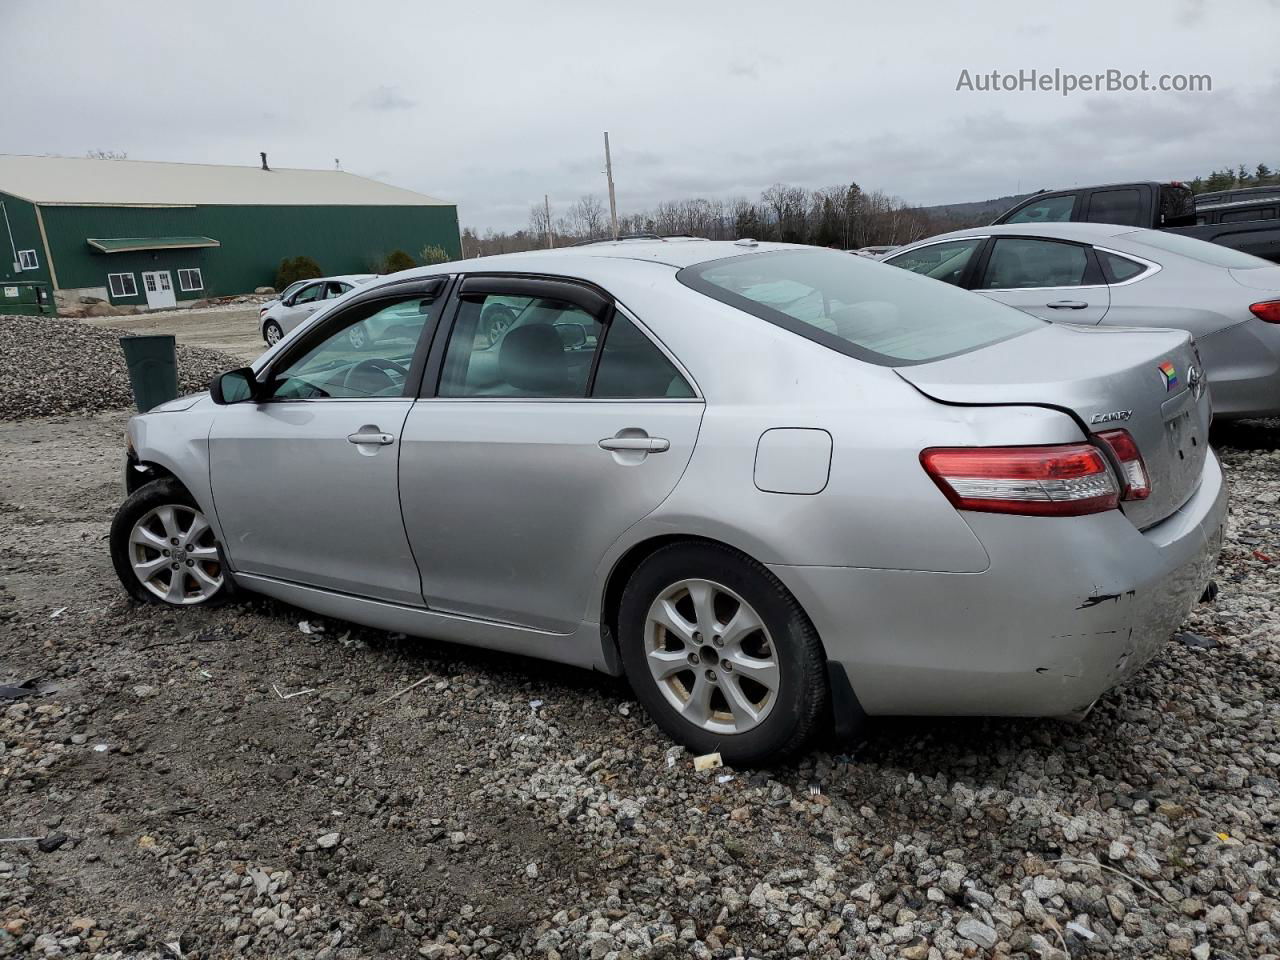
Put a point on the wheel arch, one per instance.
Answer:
(629, 562)
(845, 716)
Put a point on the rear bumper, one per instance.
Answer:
(1068, 608)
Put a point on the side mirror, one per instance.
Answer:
(572, 335)
(234, 386)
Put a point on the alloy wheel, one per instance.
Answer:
(273, 334)
(174, 555)
(711, 656)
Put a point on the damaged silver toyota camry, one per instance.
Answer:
(776, 487)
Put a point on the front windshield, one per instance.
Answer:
(857, 306)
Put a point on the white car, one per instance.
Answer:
(301, 299)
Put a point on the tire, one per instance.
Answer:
(272, 333)
(359, 337)
(157, 512)
(495, 321)
(785, 717)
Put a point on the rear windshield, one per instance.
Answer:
(865, 309)
(1213, 254)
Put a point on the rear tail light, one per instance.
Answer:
(1133, 471)
(1268, 310)
(1066, 480)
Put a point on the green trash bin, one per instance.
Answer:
(153, 368)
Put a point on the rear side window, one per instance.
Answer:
(520, 347)
(1118, 269)
(632, 366)
(1018, 263)
(1211, 253)
(941, 261)
(1115, 206)
(1049, 210)
(856, 307)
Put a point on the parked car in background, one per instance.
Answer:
(875, 253)
(745, 475)
(1157, 206)
(300, 300)
(1238, 194)
(1090, 274)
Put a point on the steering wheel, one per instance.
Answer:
(370, 376)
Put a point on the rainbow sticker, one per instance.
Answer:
(1170, 374)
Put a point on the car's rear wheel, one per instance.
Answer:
(721, 655)
(163, 548)
(272, 333)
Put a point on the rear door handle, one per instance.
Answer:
(376, 439)
(643, 444)
(1067, 305)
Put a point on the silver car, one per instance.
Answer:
(774, 486)
(300, 300)
(1094, 273)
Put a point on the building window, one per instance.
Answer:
(27, 260)
(189, 280)
(122, 284)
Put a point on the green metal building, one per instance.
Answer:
(155, 234)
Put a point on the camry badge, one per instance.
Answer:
(1170, 374)
(1112, 417)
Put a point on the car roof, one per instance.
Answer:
(588, 258)
(1080, 232)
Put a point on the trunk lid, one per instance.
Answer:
(1148, 382)
(1258, 278)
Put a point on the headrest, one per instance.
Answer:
(532, 358)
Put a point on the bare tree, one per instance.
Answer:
(588, 217)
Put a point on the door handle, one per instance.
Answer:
(376, 439)
(1067, 305)
(641, 444)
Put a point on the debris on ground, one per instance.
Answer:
(708, 761)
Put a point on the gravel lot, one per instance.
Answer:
(50, 365)
(192, 800)
(230, 328)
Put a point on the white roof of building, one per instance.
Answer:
(82, 181)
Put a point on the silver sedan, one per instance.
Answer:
(300, 300)
(1094, 273)
(773, 486)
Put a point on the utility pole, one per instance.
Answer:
(546, 207)
(608, 172)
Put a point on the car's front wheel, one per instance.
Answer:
(272, 333)
(721, 655)
(163, 547)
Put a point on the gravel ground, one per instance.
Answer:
(52, 366)
(218, 783)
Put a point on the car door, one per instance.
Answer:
(1052, 279)
(535, 447)
(304, 303)
(305, 480)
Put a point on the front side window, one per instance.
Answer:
(1049, 210)
(886, 317)
(27, 260)
(542, 348)
(941, 261)
(367, 353)
(1018, 263)
(334, 290)
(1115, 206)
(309, 294)
(122, 284)
(190, 279)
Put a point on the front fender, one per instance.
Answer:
(178, 442)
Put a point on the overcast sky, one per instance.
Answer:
(491, 105)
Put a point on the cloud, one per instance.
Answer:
(384, 98)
